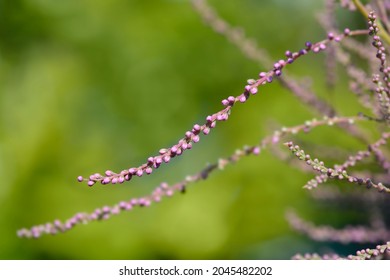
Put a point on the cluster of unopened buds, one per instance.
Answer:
(337, 173)
(165, 155)
(364, 254)
(193, 136)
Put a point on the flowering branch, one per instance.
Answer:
(249, 48)
(380, 252)
(366, 14)
(352, 160)
(164, 190)
(193, 136)
(338, 173)
(349, 234)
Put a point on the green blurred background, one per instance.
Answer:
(87, 86)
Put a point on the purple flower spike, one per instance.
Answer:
(206, 130)
(242, 99)
(80, 178)
(106, 180)
(140, 172)
(308, 44)
(253, 90)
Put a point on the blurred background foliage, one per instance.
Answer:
(87, 86)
